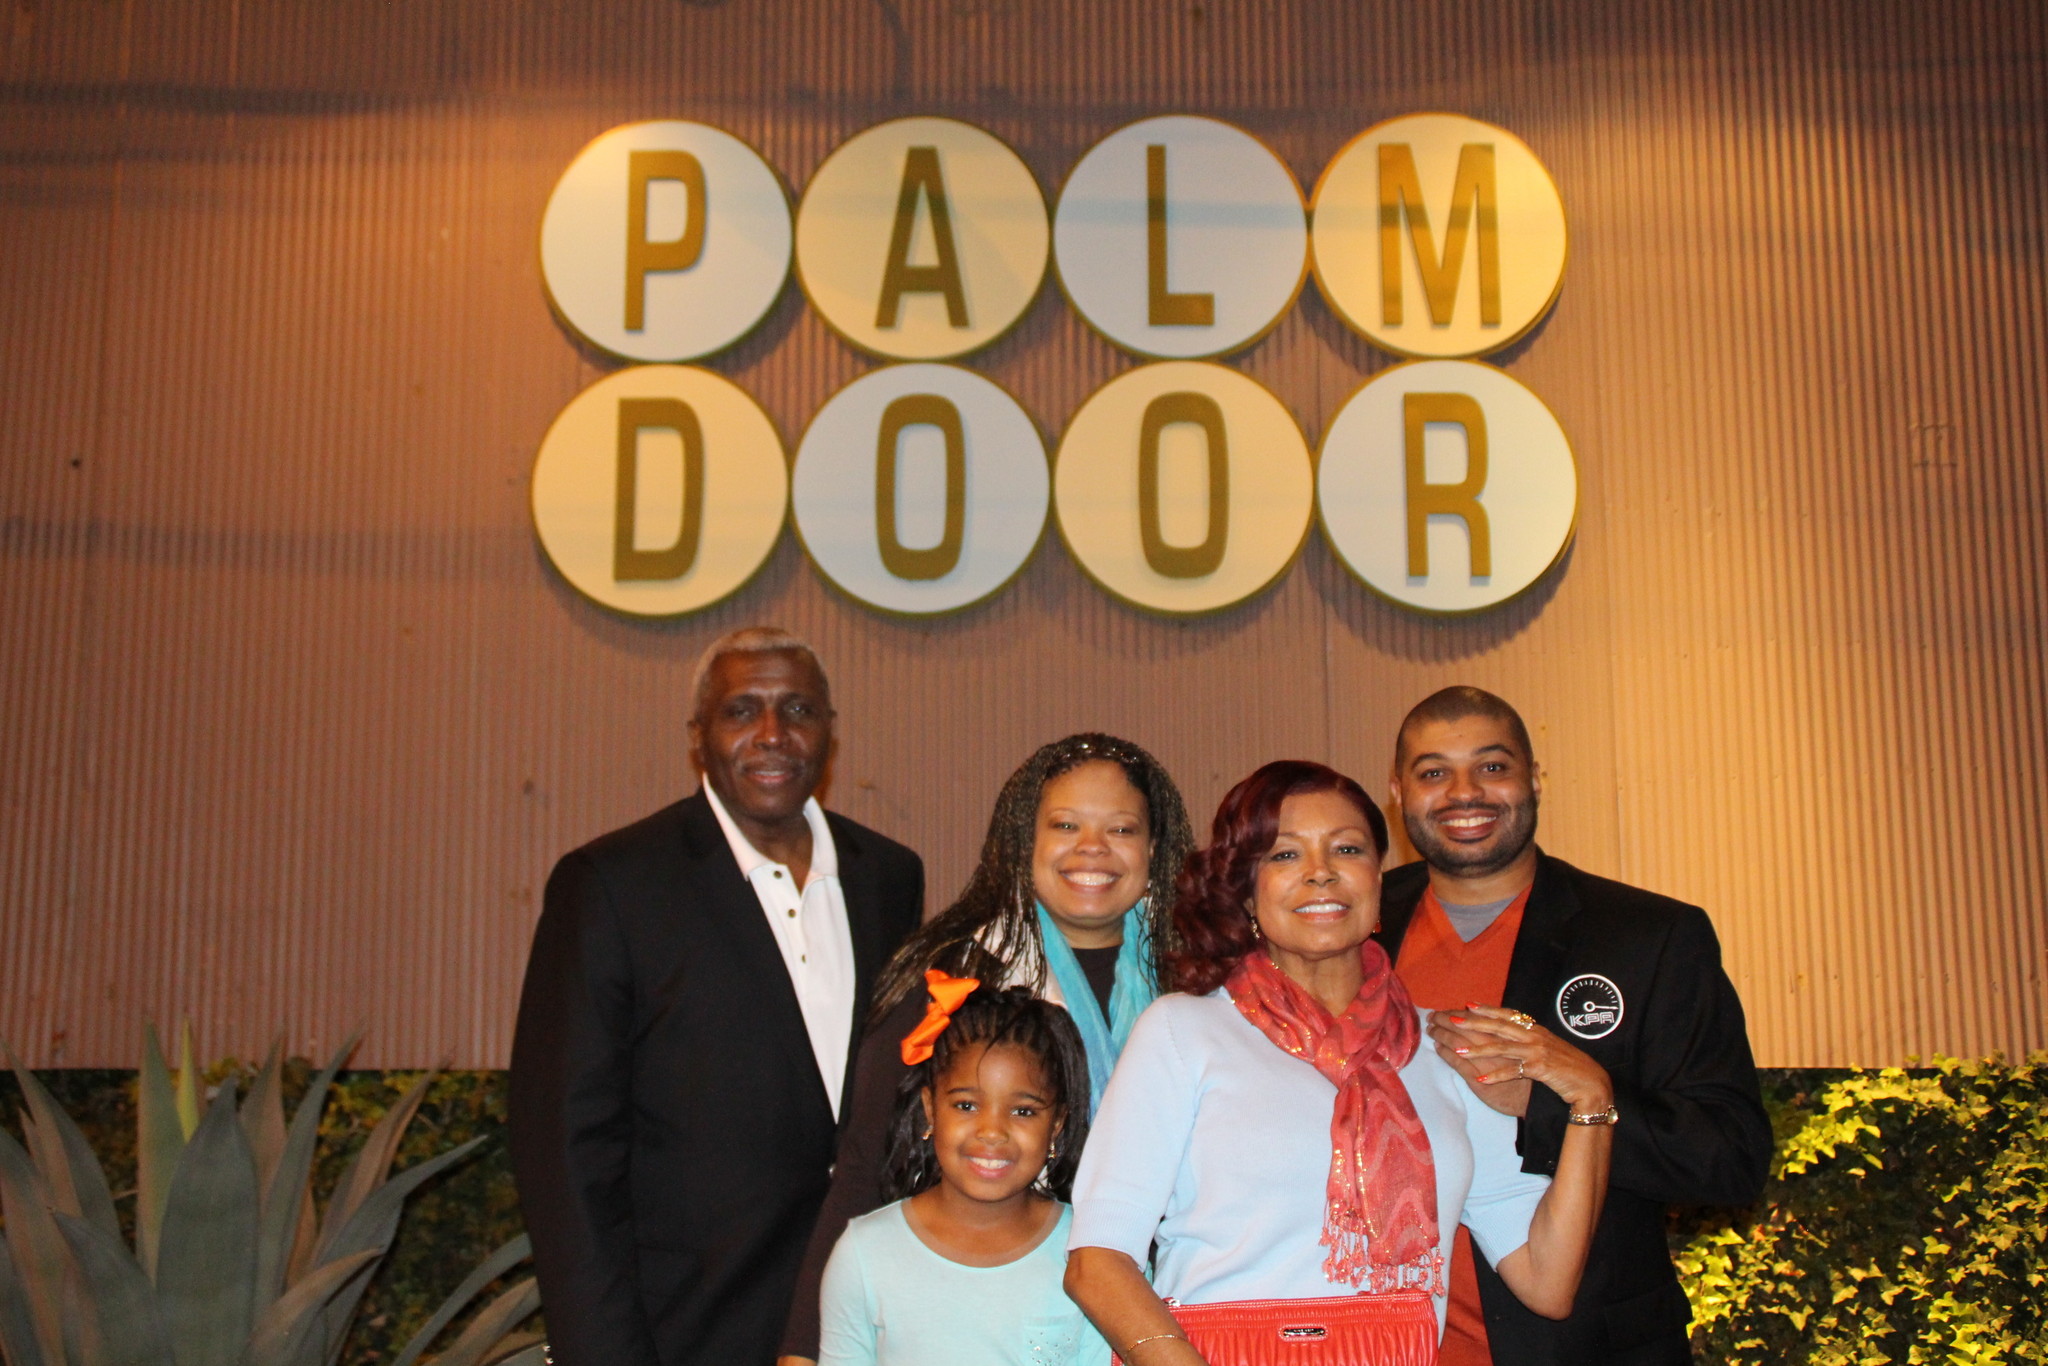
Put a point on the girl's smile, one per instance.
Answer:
(993, 1121)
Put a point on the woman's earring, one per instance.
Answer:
(1052, 1150)
(1256, 936)
(927, 1132)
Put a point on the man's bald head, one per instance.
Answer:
(1468, 790)
(1456, 704)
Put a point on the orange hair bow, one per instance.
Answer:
(947, 994)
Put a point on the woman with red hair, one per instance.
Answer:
(1279, 1129)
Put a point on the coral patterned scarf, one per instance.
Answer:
(1380, 1218)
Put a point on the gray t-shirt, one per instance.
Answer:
(1471, 921)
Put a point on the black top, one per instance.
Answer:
(1099, 965)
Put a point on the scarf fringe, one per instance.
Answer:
(1349, 1264)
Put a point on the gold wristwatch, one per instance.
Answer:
(1611, 1115)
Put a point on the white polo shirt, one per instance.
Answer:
(811, 930)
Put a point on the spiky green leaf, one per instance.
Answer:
(39, 1259)
(494, 1266)
(489, 1327)
(125, 1326)
(367, 1170)
(373, 1227)
(293, 1330)
(516, 1345)
(376, 1221)
(304, 1231)
(46, 1153)
(206, 1262)
(18, 1344)
(531, 1351)
(188, 1083)
(263, 1117)
(77, 1185)
(285, 1204)
(159, 1140)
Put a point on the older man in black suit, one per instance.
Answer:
(683, 1037)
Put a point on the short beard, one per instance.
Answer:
(1517, 831)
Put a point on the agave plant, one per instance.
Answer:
(232, 1264)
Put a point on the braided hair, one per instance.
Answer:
(994, 1018)
(991, 930)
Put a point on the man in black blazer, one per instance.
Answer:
(683, 1032)
(1630, 978)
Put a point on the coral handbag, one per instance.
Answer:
(1340, 1330)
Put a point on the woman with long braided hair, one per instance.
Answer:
(1072, 898)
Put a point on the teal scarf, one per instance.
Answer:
(1134, 990)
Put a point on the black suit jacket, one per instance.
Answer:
(1693, 1128)
(671, 1135)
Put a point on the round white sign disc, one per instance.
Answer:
(1438, 236)
(1180, 237)
(1183, 487)
(665, 241)
(1447, 486)
(660, 490)
(922, 238)
(920, 488)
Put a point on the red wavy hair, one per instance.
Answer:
(1216, 882)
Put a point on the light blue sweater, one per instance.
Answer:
(1216, 1144)
(891, 1301)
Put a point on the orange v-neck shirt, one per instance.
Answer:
(1443, 972)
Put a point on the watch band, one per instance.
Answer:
(1611, 1115)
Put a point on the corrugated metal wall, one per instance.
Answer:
(296, 717)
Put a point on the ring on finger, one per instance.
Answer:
(1524, 1021)
(1519, 1074)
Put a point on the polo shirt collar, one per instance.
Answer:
(824, 856)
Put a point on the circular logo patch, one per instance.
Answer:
(1590, 1006)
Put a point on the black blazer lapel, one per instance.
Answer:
(1400, 894)
(864, 919)
(1539, 954)
(727, 901)
(859, 883)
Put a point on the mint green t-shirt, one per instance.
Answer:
(889, 1300)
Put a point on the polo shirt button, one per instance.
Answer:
(792, 912)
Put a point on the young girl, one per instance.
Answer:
(966, 1265)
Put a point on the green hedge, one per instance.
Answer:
(1906, 1219)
